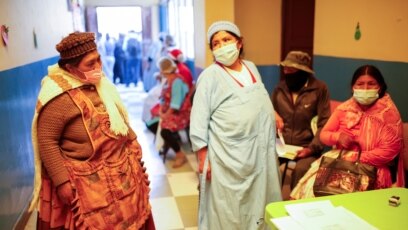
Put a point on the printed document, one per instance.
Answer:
(320, 215)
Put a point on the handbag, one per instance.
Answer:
(338, 176)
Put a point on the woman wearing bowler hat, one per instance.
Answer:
(88, 168)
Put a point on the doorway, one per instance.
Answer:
(116, 20)
(297, 26)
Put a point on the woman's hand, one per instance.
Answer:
(305, 152)
(279, 121)
(345, 140)
(66, 193)
(201, 155)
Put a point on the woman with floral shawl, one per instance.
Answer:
(370, 120)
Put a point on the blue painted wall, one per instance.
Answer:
(270, 76)
(18, 95)
(337, 73)
(190, 65)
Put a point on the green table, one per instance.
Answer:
(371, 206)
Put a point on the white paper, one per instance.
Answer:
(309, 210)
(280, 135)
(286, 223)
(352, 220)
(286, 151)
(322, 215)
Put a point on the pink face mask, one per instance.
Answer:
(93, 76)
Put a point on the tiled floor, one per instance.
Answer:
(174, 194)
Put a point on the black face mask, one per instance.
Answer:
(295, 81)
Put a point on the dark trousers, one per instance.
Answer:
(118, 71)
(171, 139)
(302, 165)
(133, 70)
(153, 127)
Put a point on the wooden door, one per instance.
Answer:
(297, 26)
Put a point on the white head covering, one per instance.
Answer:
(220, 26)
(166, 65)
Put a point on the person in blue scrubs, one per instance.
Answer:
(232, 130)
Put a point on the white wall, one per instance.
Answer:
(50, 19)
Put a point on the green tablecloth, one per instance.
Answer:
(371, 206)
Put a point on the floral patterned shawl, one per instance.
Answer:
(378, 130)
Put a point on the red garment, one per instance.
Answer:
(378, 130)
(174, 120)
(155, 110)
(185, 73)
(110, 188)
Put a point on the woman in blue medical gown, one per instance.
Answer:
(232, 130)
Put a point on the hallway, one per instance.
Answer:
(174, 194)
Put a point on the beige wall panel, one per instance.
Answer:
(383, 25)
(260, 25)
(216, 10)
(205, 13)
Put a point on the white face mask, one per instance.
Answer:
(227, 54)
(365, 96)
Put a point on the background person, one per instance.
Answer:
(175, 108)
(119, 68)
(232, 129)
(109, 55)
(167, 44)
(297, 99)
(151, 107)
(369, 119)
(178, 57)
(88, 165)
(133, 50)
(150, 65)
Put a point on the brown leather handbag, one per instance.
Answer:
(338, 176)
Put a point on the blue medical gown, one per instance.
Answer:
(237, 124)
